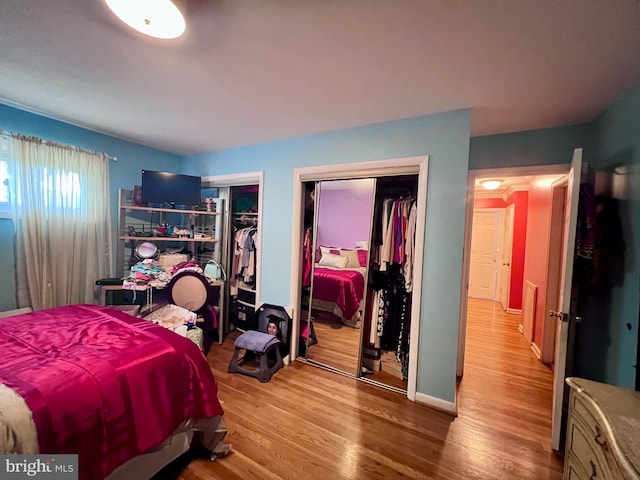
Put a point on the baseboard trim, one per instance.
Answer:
(437, 404)
(521, 328)
(536, 350)
(515, 311)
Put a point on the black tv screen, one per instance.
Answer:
(172, 188)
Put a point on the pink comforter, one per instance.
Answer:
(103, 384)
(343, 287)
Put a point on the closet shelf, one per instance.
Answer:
(169, 239)
(169, 210)
(246, 304)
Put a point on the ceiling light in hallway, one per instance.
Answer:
(491, 184)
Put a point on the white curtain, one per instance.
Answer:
(60, 201)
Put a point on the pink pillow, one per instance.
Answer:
(362, 257)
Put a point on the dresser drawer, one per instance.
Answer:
(603, 429)
(573, 470)
(583, 448)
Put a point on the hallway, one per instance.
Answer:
(504, 384)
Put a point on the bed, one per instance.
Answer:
(126, 395)
(339, 291)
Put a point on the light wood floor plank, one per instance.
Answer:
(309, 423)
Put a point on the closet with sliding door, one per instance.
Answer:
(356, 276)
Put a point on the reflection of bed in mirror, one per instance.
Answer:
(339, 291)
(338, 283)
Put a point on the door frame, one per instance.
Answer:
(238, 180)
(555, 169)
(379, 168)
(498, 212)
(506, 238)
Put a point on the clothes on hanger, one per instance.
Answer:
(307, 257)
(398, 225)
(391, 314)
(392, 276)
(244, 255)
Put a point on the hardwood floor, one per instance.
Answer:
(308, 423)
(338, 345)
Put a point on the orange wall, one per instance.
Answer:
(489, 203)
(536, 258)
(520, 202)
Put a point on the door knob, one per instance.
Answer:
(564, 316)
(505, 264)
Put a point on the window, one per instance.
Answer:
(5, 208)
(60, 189)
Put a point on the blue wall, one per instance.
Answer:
(124, 173)
(550, 146)
(610, 336)
(445, 138)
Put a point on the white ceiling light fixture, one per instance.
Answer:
(156, 18)
(492, 184)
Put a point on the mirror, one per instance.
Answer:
(337, 245)
(146, 250)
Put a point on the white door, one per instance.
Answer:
(484, 254)
(504, 263)
(564, 301)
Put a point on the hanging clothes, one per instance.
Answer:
(392, 276)
(398, 235)
(307, 257)
(244, 255)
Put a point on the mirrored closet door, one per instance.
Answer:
(337, 236)
(357, 276)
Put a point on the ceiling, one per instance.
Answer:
(511, 184)
(253, 71)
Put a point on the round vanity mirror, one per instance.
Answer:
(146, 250)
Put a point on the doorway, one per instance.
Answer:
(242, 207)
(498, 356)
(386, 168)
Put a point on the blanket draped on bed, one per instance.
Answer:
(344, 287)
(103, 384)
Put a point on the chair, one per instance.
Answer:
(262, 346)
(191, 290)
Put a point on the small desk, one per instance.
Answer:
(149, 306)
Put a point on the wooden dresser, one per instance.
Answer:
(603, 432)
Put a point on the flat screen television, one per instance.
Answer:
(170, 188)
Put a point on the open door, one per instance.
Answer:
(504, 265)
(562, 312)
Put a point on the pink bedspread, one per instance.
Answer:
(103, 384)
(344, 287)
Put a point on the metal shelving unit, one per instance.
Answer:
(204, 246)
